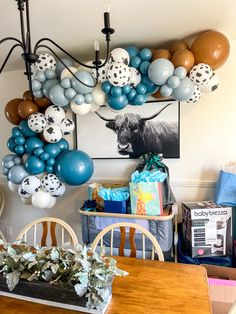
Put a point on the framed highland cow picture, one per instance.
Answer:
(131, 132)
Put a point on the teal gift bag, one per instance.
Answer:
(225, 192)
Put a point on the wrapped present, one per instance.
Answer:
(115, 199)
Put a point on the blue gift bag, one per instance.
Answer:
(225, 192)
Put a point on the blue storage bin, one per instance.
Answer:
(115, 207)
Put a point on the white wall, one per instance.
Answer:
(208, 141)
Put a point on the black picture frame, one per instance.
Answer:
(100, 142)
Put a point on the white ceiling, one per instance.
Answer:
(74, 24)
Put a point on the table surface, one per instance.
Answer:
(150, 287)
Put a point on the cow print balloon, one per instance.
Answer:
(119, 55)
(135, 77)
(196, 95)
(54, 114)
(23, 193)
(45, 61)
(102, 72)
(31, 184)
(50, 183)
(37, 122)
(201, 74)
(67, 126)
(118, 74)
(212, 84)
(59, 191)
(52, 133)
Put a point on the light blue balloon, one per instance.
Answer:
(106, 87)
(79, 99)
(116, 91)
(141, 88)
(145, 54)
(17, 160)
(40, 76)
(160, 70)
(88, 98)
(60, 67)
(25, 130)
(117, 103)
(65, 82)
(34, 165)
(173, 81)
(57, 96)
(17, 174)
(86, 78)
(181, 72)
(165, 90)
(9, 164)
(5, 171)
(50, 74)
(132, 51)
(48, 85)
(144, 67)
(151, 87)
(38, 93)
(185, 89)
(8, 157)
(70, 93)
(33, 142)
(36, 85)
(135, 62)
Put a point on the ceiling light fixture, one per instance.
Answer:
(30, 55)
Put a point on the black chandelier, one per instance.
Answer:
(30, 55)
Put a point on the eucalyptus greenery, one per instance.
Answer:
(90, 274)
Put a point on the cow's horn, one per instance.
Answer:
(103, 118)
(157, 113)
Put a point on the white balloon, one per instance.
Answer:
(55, 114)
(12, 186)
(66, 73)
(37, 122)
(211, 85)
(67, 126)
(118, 74)
(26, 201)
(50, 182)
(99, 97)
(135, 77)
(80, 109)
(23, 193)
(52, 133)
(52, 202)
(59, 191)
(94, 107)
(30, 184)
(41, 199)
(119, 55)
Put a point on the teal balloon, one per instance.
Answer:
(38, 93)
(11, 144)
(34, 165)
(16, 132)
(74, 167)
(49, 169)
(62, 144)
(126, 89)
(17, 174)
(165, 90)
(180, 72)
(173, 81)
(79, 99)
(53, 149)
(65, 82)
(50, 74)
(139, 99)
(145, 54)
(70, 93)
(144, 67)
(135, 62)
(160, 70)
(151, 87)
(131, 94)
(57, 96)
(132, 51)
(50, 162)
(33, 142)
(38, 151)
(116, 91)
(19, 150)
(44, 156)
(60, 67)
(25, 130)
(117, 103)
(88, 98)
(106, 87)
(19, 140)
(48, 85)
(36, 85)
(185, 89)
(141, 88)
(86, 78)
(40, 76)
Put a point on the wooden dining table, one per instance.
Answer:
(152, 287)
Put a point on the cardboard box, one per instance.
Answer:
(222, 287)
(207, 229)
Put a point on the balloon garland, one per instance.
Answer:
(41, 160)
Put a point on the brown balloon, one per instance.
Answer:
(42, 102)
(11, 111)
(158, 95)
(212, 48)
(27, 95)
(26, 108)
(184, 58)
(178, 45)
(161, 53)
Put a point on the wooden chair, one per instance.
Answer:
(133, 227)
(53, 222)
(2, 204)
